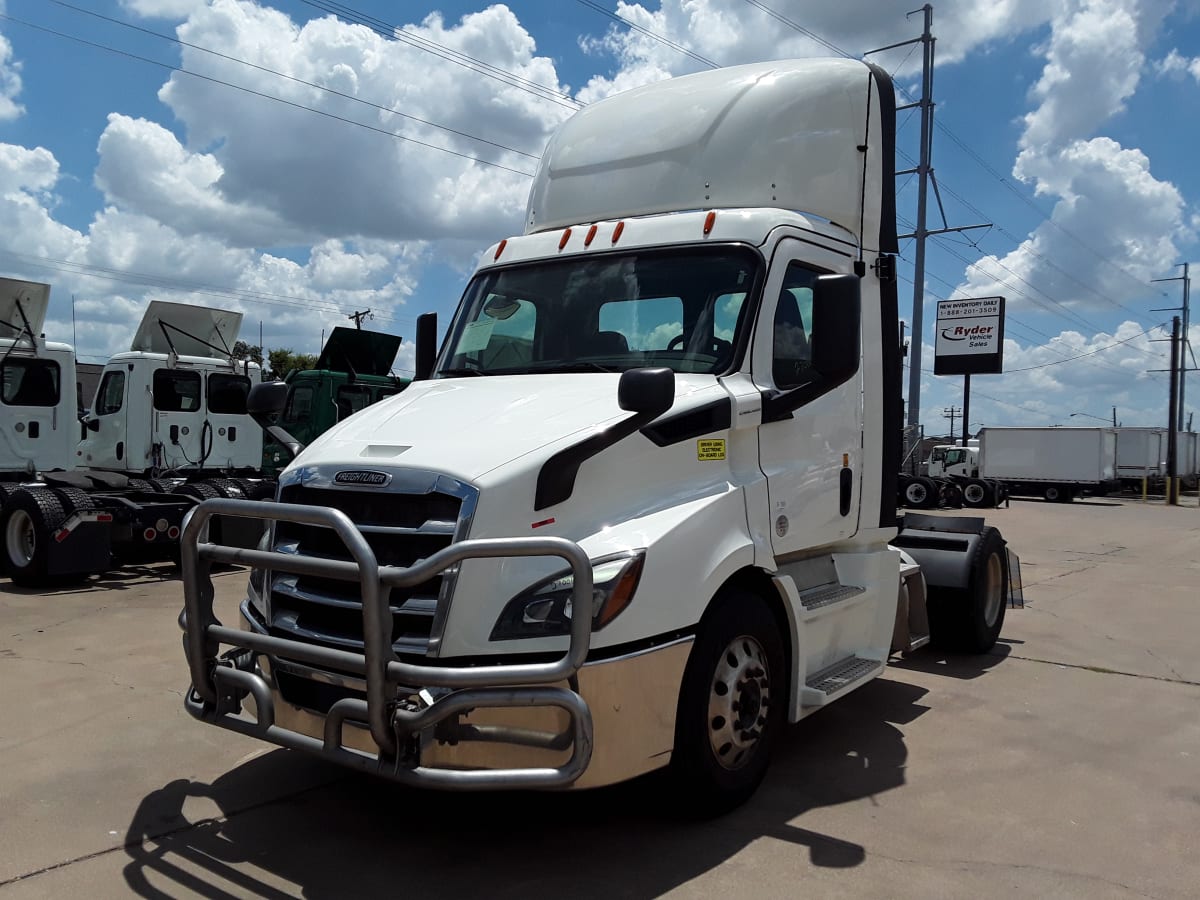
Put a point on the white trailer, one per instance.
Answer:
(639, 510)
(1054, 463)
(1141, 455)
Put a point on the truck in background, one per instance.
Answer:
(952, 478)
(353, 371)
(167, 429)
(1056, 464)
(1141, 457)
(639, 511)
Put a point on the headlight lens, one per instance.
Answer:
(545, 609)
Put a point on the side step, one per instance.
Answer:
(823, 598)
(840, 678)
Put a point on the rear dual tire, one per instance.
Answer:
(30, 518)
(969, 619)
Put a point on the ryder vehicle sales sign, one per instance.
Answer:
(969, 337)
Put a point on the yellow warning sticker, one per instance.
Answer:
(710, 449)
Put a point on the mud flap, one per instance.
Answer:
(84, 550)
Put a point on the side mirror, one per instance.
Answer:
(426, 346)
(91, 424)
(267, 399)
(836, 349)
(648, 391)
(837, 315)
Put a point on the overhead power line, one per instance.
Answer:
(265, 96)
(320, 87)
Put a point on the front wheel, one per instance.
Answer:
(731, 705)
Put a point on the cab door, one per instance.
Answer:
(35, 418)
(104, 443)
(811, 454)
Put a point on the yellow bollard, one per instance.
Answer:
(1145, 482)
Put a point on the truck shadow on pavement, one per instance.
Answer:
(290, 825)
(953, 665)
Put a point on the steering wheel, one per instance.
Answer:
(717, 348)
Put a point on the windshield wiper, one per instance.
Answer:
(581, 366)
(462, 372)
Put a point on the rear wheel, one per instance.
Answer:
(921, 493)
(27, 525)
(952, 496)
(730, 705)
(977, 494)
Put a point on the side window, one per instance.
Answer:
(110, 396)
(299, 404)
(648, 324)
(176, 390)
(227, 393)
(351, 398)
(793, 318)
(29, 382)
(726, 310)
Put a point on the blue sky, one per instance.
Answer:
(1069, 124)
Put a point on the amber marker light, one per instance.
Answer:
(500, 249)
(566, 236)
(709, 220)
(587, 241)
(617, 232)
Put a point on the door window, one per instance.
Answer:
(792, 354)
(176, 390)
(111, 395)
(29, 382)
(299, 404)
(351, 398)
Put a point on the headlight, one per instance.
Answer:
(545, 609)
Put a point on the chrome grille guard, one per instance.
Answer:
(214, 678)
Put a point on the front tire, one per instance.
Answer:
(731, 705)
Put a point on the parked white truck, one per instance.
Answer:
(637, 511)
(168, 428)
(1056, 464)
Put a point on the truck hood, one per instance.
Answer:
(467, 427)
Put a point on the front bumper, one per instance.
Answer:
(466, 728)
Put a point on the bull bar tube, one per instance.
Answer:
(215, 679)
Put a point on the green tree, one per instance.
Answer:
(283, 361)
(244, 351)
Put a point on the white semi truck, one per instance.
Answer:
(639, 511)
(168, 427)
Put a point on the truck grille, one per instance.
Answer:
(401, 529)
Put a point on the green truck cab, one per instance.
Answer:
(352, 372)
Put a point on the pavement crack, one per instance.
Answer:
(1104, 670)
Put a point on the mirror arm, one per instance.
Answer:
(278, 434)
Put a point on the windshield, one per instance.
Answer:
(677, 309)
(954, 457)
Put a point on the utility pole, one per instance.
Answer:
(1172, 434)
(925, 177)
(951, 412)
(359, 316)
(1177, 421)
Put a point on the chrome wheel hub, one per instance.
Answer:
(738, 701)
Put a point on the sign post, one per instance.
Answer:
(969, 341)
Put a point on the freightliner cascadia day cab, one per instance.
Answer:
(168, 427)
(637, 511)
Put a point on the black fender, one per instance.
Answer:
(943, 546)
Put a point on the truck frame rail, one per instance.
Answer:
(220, 681)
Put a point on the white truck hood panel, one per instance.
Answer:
(467, 427)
